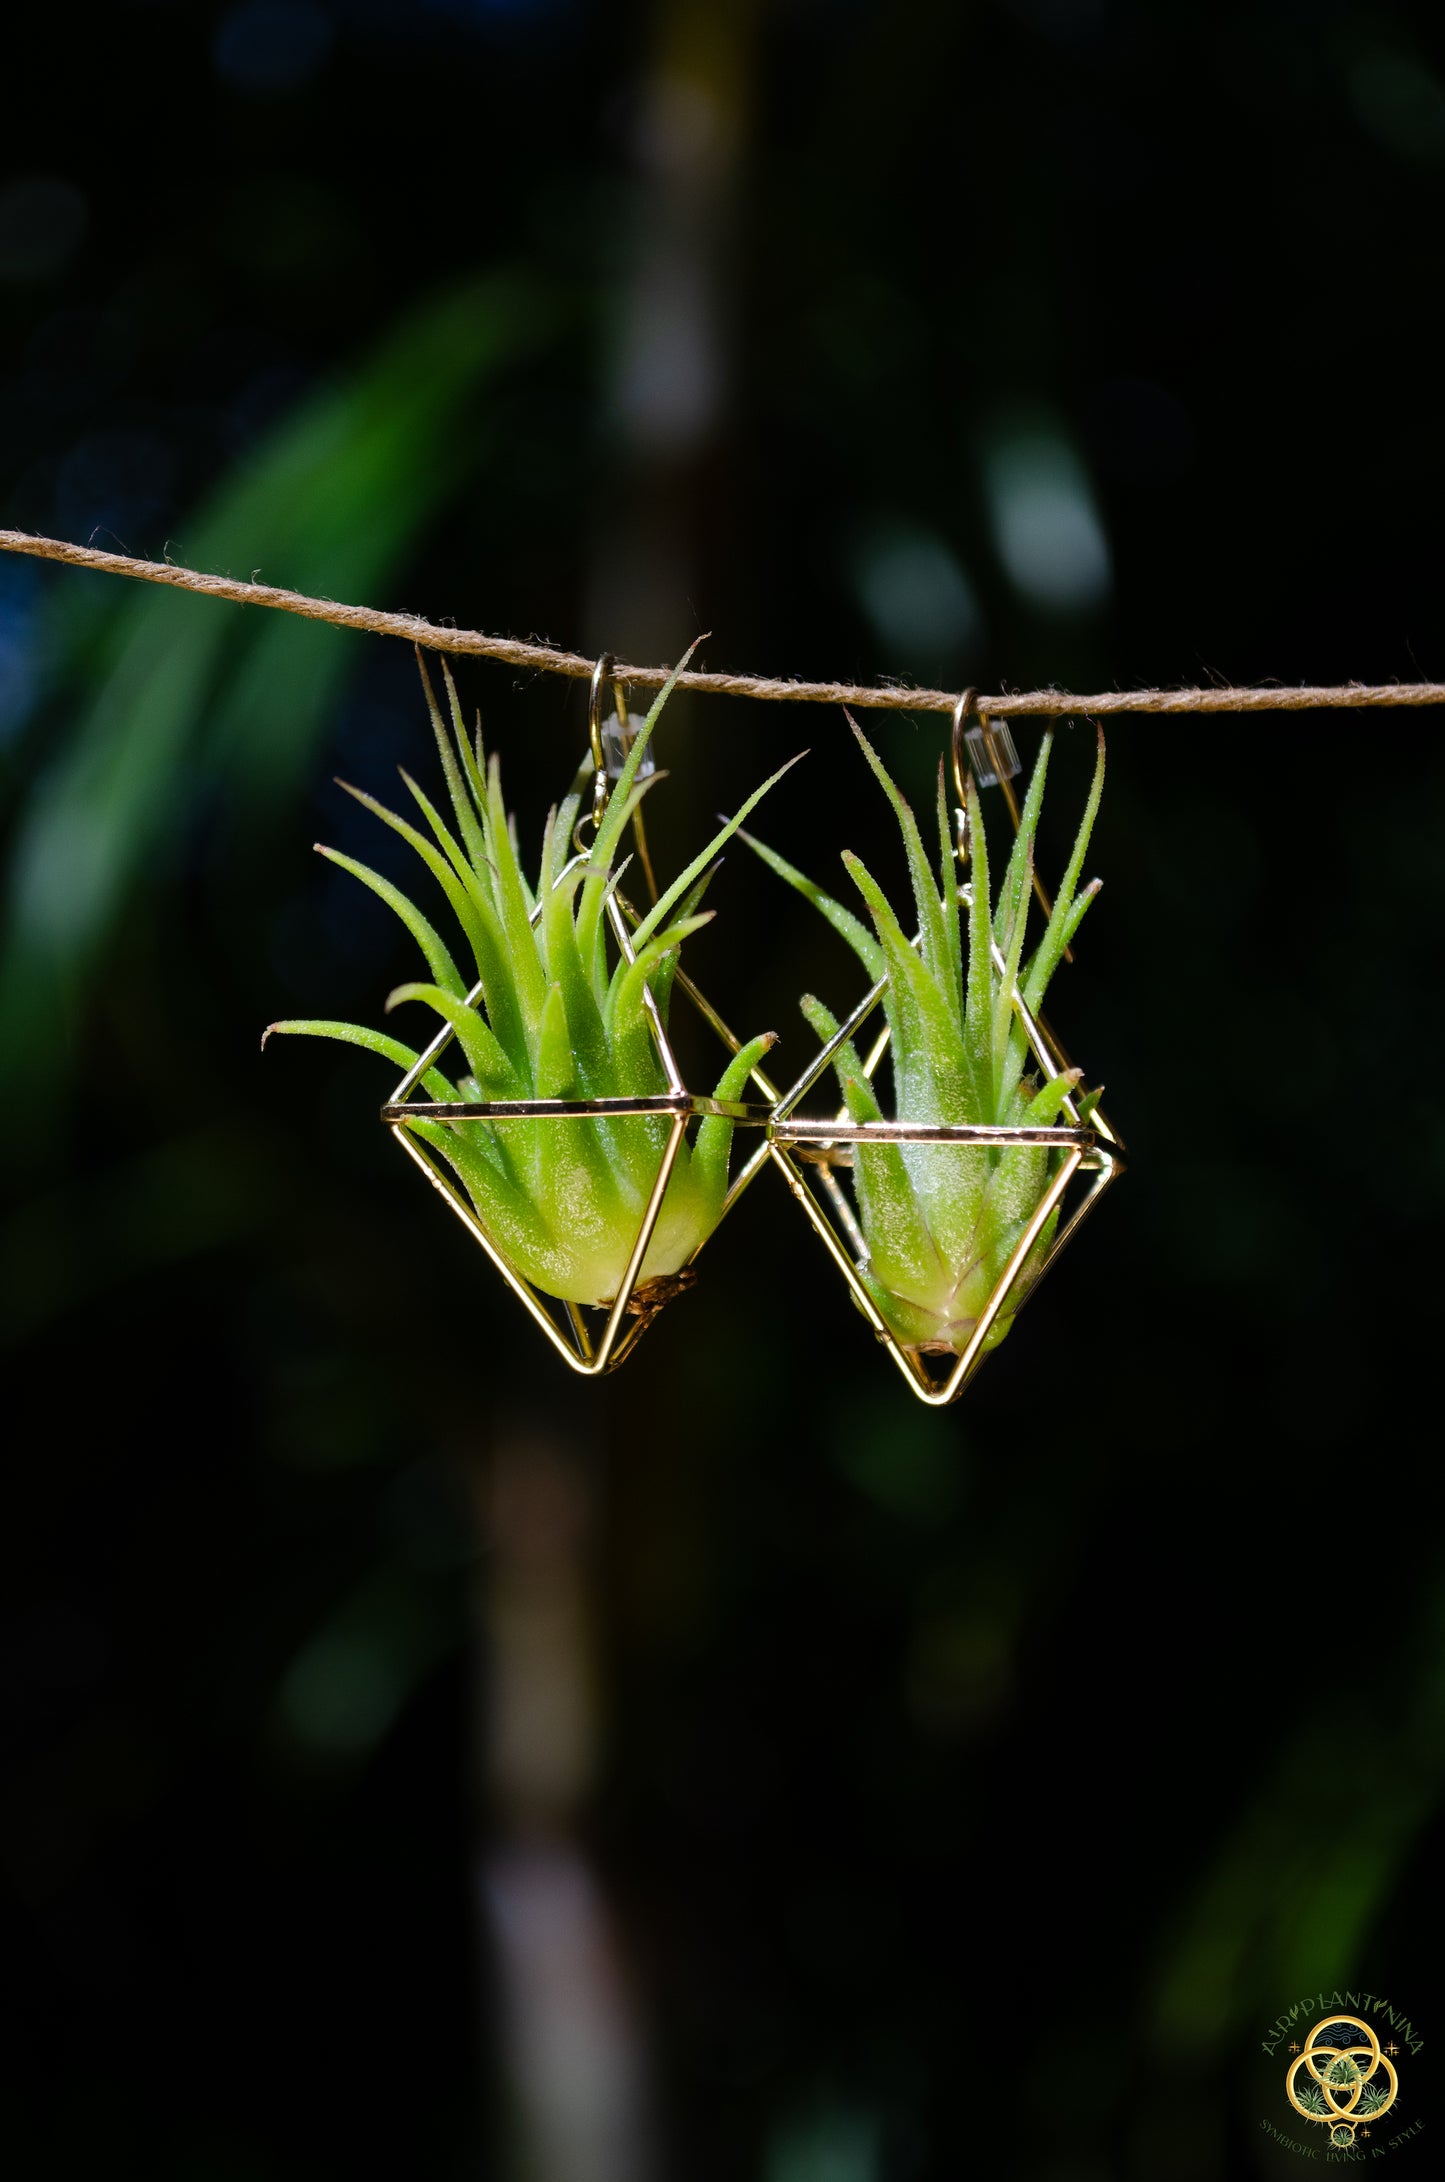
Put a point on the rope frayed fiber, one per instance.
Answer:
(886, 696)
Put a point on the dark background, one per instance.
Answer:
(417, 1764)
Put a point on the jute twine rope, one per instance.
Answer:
(888, 696)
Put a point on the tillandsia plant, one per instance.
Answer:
(940, 1221)
(559, 1018)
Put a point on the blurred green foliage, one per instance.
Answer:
(182, 701)
(1051, 1745)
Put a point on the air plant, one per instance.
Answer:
(561, 1016)
(940, 1221)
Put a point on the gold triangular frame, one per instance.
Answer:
(1093, 1148)
(572, 1337)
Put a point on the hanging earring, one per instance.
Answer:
(951, 1223)
(588, 1156)
(611, 741)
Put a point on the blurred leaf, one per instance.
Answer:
(85, 1237)
(189, 688)
(1298, 1887)
(345, 1687)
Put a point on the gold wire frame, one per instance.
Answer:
(795, 1144)
(627, 1316)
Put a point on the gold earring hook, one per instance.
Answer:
(604, 769)
(601, 675)
(988, 751)
(961, 712)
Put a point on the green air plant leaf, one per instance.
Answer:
(563, 1200)
(941, 1221)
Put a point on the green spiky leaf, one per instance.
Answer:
(941, 1221)
(561, 1015)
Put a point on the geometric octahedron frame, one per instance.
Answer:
(626, 1317)
(800, 1146)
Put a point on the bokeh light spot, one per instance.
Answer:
(268, 48)
(1401, 104)
(1046, 526)
(42, 224)
(915, 592)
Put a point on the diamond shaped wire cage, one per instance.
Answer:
(810, 1153)
(590, 1339)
